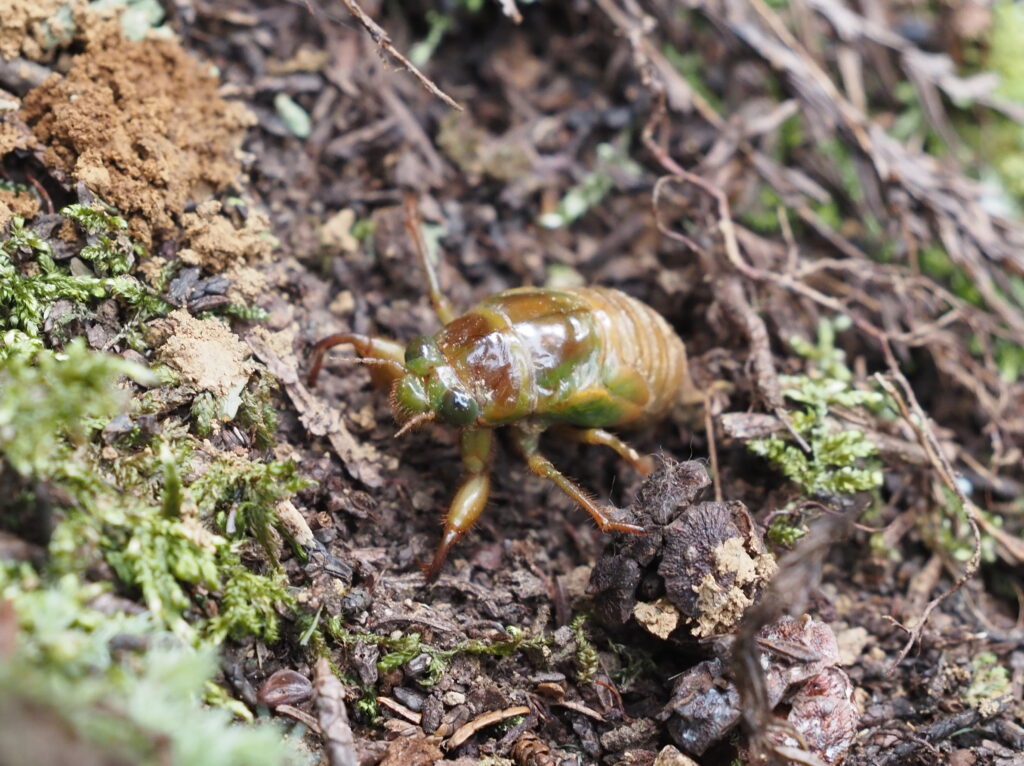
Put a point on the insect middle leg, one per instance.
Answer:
(477, 446)
(642, 463)
(527, 440)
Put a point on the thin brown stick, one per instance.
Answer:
(383, 41)
(926, 435)
(709, 427)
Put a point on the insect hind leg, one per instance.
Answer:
(642, 463)
(527, 442)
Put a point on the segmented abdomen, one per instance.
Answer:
(589, 356)
(636, 337)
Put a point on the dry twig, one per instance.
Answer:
(464, 732)
(383, 40)
(921, 424)
(333, 717)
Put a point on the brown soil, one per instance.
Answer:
(142, 125)
(206, 354)
(213, 241)
(26, 26)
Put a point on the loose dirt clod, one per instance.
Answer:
(709, 558)
(215, 242)
(207, 354)
(13, 203)
(25, 26)
(142, 125)
(799, 662)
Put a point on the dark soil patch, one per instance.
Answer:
(581, 99)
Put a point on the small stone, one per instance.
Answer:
(451, 699)
(670, 756)
(851, 644)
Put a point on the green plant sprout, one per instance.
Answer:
(839, 463)
(593, 187)
(397, 651)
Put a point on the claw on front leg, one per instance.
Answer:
(477, 446)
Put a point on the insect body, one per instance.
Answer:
(579, 360)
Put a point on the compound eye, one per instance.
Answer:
(422, 355)
(458, 408)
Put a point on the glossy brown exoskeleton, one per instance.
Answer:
(581, 360)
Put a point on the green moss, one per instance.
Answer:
(134, 512)
(397, 651)
(839, 462)
(52, 403)
(109, 250)
(245, 312)
(257, 412)
(586, 652)
(785, 530)
(990, 687)
(31, 282)
(249, 602)
(241, 495)
(139, 703)
(948, 528)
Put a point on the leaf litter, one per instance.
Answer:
(729, 164)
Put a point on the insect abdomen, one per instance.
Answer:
(587, 356)
(641, 351)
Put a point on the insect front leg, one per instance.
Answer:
(642, 463)
(527, 440)
(477, 446)
(385, 357)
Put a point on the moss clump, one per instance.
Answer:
(142, 515)
(990, 687)
(112, 685)
(403, 649)
(839, 463)
(109, 249)
(785, 530)
(586, 652)
(31, 281)
(133, 512)
(50, 404)
(241, 495)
